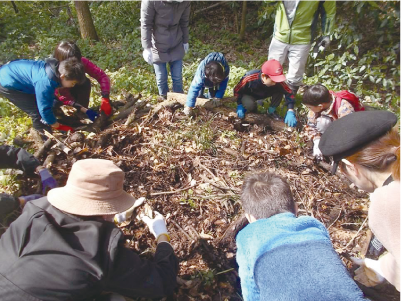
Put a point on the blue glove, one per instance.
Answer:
(241, 111)
(28, 198)
(91, 114)
(47, 180)
(290, 119)
(271, 110)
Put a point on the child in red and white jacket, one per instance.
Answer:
(324, 107)
(78, 96)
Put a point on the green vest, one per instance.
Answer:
(303, 26)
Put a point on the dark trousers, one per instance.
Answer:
(8, 204)
(27, 103)
(81, 93)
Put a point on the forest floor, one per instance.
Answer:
(191, 171)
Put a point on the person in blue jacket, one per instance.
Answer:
(30, 85)
(212, 73)
(285, 257)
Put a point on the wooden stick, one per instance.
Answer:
(182, 230)
(352, 239)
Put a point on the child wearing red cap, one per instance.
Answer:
(261, 83)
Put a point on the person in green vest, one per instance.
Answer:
(294, 31)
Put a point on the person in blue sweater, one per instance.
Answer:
(261, 83)
(212, 73)
(285, 257)
(30, 85)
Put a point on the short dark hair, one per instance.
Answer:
(67, 49)
(265, 194)
(72, 69)
(315, 95)
(214, 71)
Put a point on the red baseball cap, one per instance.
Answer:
(274, 70)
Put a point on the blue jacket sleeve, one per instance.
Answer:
(44, 92)
(222, 88)
(196, 85)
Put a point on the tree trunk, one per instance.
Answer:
(243, 21)
(15, 7)
(88, 31)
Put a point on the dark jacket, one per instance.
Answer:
(251, 84)
(47, 254)
(17, 158)
(34, 77)
(164, 29)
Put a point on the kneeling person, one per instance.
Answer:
(262, 83)
(285, 257)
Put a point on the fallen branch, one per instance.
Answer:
(170, 192)
(44, 148)
(50, 159)
(209, 7)
(182, 230)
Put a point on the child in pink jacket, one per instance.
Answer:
(78, 96)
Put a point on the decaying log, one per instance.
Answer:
(44, 148)
(50, 159)
(251, 118)
(131, 100)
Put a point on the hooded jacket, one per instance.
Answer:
(384, 220)
(302, 29)
(288, 258)
(198, 83)
(34, 77)
(164, 29)
(47, 254)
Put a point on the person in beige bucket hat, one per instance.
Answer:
(66, 247)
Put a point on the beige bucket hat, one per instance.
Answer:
(94, 187)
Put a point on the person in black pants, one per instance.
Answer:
(18, 158)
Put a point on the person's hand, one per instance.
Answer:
(216, 102)
(62, 127)
(186, 47)
(48, 182)
(91, 114)
(157, 226)
(105, 106)
(369, 272)
(290, 119)
(324, 42)
(188, 111)
(316, 150)
(322, 123)
(27, 198)
(271, 110)
(148, 56)
(241, 111)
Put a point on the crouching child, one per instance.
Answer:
(325, 106)
(285, 257)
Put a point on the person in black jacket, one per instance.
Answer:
(66, 247)
(18, 158)
(262, 83)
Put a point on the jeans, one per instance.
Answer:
(161, 76)
(27, 103)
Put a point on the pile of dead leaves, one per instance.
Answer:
(191, 171)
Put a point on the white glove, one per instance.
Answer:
(216, 102)
(148, 56)
(188, 111)
(369, 273)
(126, 215)
(322, 123)
(157, 226)
(316, 151)
(186, 47)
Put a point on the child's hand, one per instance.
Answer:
(92, 115)
(290, 119)
(105, 106)
(369, 273)
(241, 111)
(316, 150)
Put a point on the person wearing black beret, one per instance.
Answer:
(366, 147)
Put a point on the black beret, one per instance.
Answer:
(351, 133)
